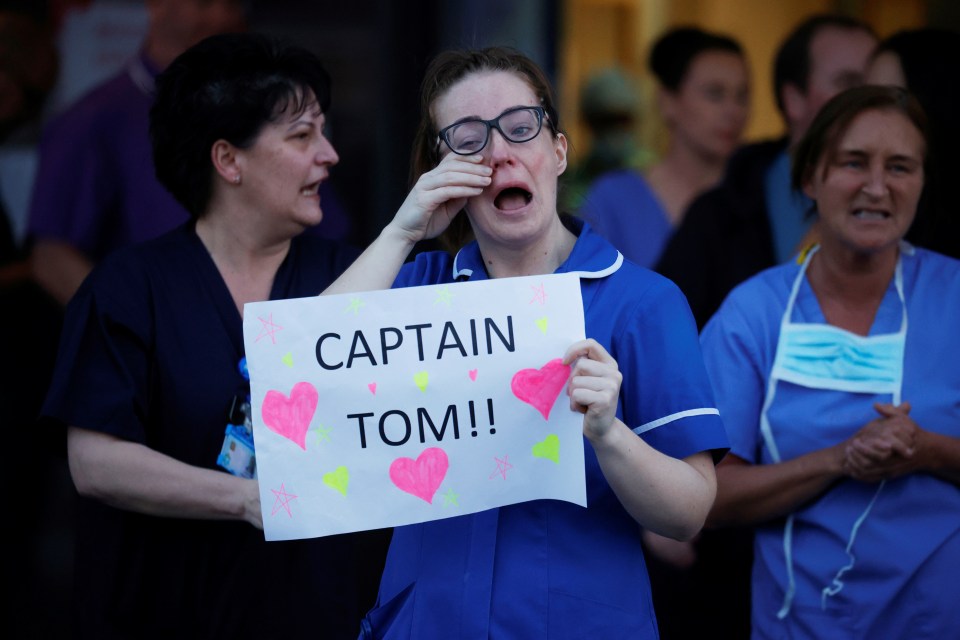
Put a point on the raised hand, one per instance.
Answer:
(440, 194)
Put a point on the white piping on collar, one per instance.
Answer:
(458, 273)
(602, 273)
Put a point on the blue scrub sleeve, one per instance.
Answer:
(666, 395)
(732, 355)
(101, 379)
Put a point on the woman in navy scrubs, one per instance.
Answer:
(151, 370)
(488, 154)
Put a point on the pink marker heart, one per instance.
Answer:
(373, 388)
(540, 387)
(423, 476)
(291, 416)
(473, 374)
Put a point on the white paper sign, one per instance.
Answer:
(386, 408)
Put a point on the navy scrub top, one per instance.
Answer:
(149, 353)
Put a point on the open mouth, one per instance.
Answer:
(512, 198)
(870, 215)
(310, 190)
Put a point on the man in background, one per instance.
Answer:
(754, 219)
(95, 188)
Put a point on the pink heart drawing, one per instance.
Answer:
(540, 387)
(373, 388)
(473, 374)
(291, 416)
(423, 476)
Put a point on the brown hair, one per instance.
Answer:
(445, 70)
(834, 118)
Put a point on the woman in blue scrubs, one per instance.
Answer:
(151, 382)
(488, 154)
(838, 383)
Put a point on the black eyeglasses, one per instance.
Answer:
(520, 124)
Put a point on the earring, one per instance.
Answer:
(236, 179)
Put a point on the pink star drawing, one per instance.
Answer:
(502, 467)
(269, 328)
(539, 295)
(283, 501)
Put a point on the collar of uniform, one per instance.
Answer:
(592, 256)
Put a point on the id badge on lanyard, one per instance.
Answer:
(237, 454)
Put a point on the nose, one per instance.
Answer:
(875, 183)
(500, 149)
(326, 154)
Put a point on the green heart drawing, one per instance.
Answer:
(338, 479)
(421, 380)
(542, 325)
(287, 359)
(549, 448)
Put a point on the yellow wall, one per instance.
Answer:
(603, 33)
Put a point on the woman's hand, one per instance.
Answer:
(594, 386)
(430, 206)
(885, 447)
(440, 194)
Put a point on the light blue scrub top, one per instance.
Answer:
(787, 209)
(550, 569)
(904, 583)
(621, 207)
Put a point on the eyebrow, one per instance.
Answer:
(860, 153)
(474, 118)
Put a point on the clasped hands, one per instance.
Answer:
(886, 447)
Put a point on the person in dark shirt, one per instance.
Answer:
(151, 382)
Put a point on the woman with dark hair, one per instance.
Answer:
(704, 99)
(487, 157)
(837, 379)
(151, 368)
(915, 60)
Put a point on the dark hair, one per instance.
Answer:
(226, 87)
(445, 70)
(922, 54)
(674, 52)
(834, 118)
(792, 63)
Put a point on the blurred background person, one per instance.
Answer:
(754, 219)
(151, 368)
(920, 60)
(95, 188)
(610, 109)
(837, 378)
(704, 100)
(30, 321)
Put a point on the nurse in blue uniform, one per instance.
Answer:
(151, 372)
(489, 145)
(838, 381)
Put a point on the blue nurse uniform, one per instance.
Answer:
(550, 569)
(905, 553)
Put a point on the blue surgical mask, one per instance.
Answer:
(821, 356)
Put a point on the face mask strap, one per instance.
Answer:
(837, 583)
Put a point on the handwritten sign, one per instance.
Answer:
(386, 408)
